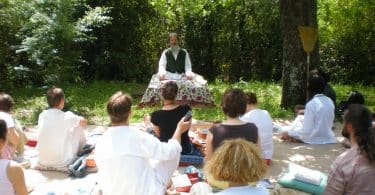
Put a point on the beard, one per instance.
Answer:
(175, 48)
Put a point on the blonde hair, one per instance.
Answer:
(236, 161)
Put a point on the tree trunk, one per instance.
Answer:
(296, 13)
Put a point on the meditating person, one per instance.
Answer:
(233, 104)
(61, 134)
(6, 105)
(317, 118)
(174, 62)
(327, 91)
(263, 121)
(131, 161)
(237, 162)
(353, 172)
(165, 120)
(12, 180)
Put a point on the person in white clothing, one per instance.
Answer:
(6, 105)
(318, 117)
(61, 134)
(12, 180)
(239, 163)
(261, 119)
(174, 61)
(131, 161)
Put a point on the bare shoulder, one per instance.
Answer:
(17, 178)
(15, 171)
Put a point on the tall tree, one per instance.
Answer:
(295, 13)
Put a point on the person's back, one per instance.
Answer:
(233, 105)
(244, 190)
(124, 151)
(318, 121)
(6, 105)
(60, 135)
(6, 187)
(167, 121)
(12, 180)
(131, 161)
(221, 132)
(263, 121)
(58, 140)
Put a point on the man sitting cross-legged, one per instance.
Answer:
(60, 133)
(318, 118)
(131, 161)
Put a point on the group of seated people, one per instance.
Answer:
(237, 153)
(238, 150)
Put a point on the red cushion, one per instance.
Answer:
(31, 143)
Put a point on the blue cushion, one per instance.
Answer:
(191, 159)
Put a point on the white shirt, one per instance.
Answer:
(6, 187)
(8, 119)
(163, 62)
(125, 158)
(59, 137)
(263, 121)
(244, 190)
(318, 121)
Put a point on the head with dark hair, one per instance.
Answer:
(169, 90)
(6, 102)
(233, 102)
(356, 98)
(358, 123)
(316, 85)
(54, 96)
(3, 130)
(119, 107)
(321, 73)
(251, 98)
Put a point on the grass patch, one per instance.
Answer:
(89, 100)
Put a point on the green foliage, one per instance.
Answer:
(82, 40)
(347, 33)
(55, 33)
(126, 49)
(10, 24)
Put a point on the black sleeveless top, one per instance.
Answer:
(175, 65)
(167, 121)
(223, 132)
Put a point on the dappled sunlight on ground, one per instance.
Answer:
(319, 157)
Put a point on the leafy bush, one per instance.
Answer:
(347, 35)
(54, 36)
